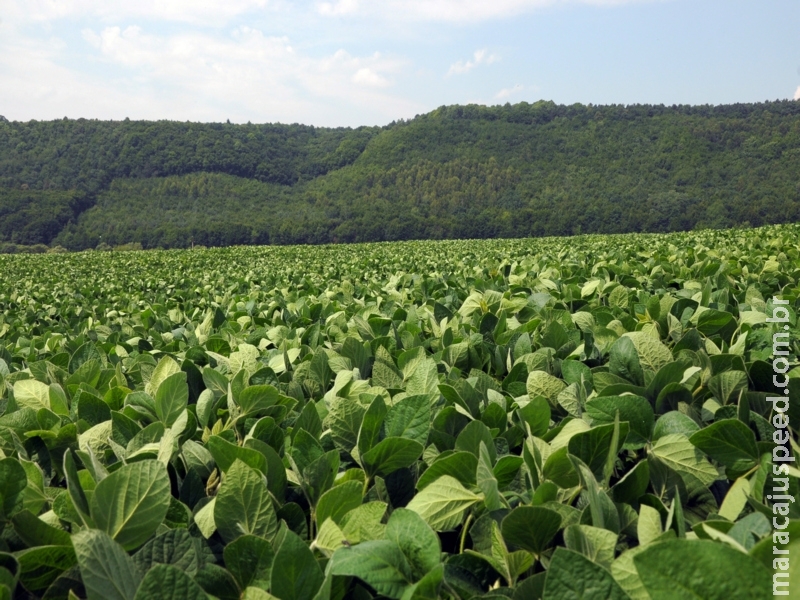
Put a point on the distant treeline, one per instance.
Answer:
(457, 172)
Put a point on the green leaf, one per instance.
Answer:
(35, 532)
(13, 482)
(472, 436)
(536, 414)
(372, 426)
(226, 453)
(344, 420)
(486, 481)
(700, 569)
(338, 501)
(424, 380)
(594, 543)
(543, 384)
(410, 418)
(653, 355)
(674, 422)
(300, 575)
(380, 563)
(623, 361)
(593, 446)
(40, 566)
(108, 573)
(166, 367)
(391, 454)
(418, 542)
(531, 527)
(572, 576)
(364, 522)
(460, 465)
(257, 397)
(730, 442)
(32, 394)
(625, 573)
(442, 503)
(174, 547)
(172, 397)
(634, 410)
(131, 503)
(243, 504)
(679, 454)
(249, 559)
(166, 582)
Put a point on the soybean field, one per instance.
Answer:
(556, 418)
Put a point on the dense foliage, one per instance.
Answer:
(552, 418)
(457, 172)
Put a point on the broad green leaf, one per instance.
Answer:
(543, 384)
(243, 505)
(460, 465)
(623, 361)
(730, 442)
(338, 501)
(410, 418)
(166, 367)
(649, 527)
(634, 410)
(225, 454)
(531, 527)
(173, 547)
(249, 559)
(593, 446)
(33, 394)
(363, 523)
(108, 573)
(700, 569)
(442, 503)
(391, 454)
(418, 542)
(13, 482)
(131, 503)
(380, 563)
(167, 582)
(472, 436)
(41, 565)
(172, 398)
(594, 543)
(679, 454)
(572, 576)
(624, 572)
(300, 575)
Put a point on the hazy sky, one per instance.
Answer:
(354, 62)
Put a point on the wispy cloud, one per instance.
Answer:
(507, 92)
(458, 11)
(797, 93)
(205, 12)
(340, 7)
(479, 57)
(245, 75)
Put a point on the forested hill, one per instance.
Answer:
(457, 172)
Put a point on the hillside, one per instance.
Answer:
(457, 172)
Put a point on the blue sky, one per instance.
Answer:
(354, 62)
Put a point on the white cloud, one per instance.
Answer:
(207, 12)
(451, 10)
(341, 7)
(480, 57)
(506, 92)
(797, 93)
(244, 75)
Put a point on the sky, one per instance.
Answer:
(357, 62)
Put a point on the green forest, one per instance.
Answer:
(457, 172)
